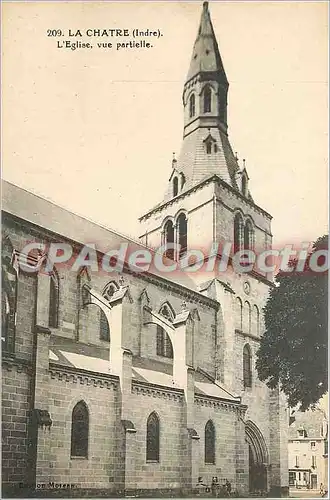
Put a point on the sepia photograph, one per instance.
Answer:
(164, 249)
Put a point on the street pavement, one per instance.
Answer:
(302, 493)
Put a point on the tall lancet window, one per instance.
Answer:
(79, 430)
(247, 366)
(175, 186)
(244, 185)
(248, 235)
(192, 106)
(104, 327)
(182, 234)
(53, 300)
(9, 280)
(207, 100)
(209, 443)
(153, 438)
(238, 232)
(169, 239)
(164, 345)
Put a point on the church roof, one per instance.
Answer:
(206, 56)
(311, 421)
(196, 165)
(46, 214)
(77, 355)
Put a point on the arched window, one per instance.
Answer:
(167, 311)
(175, 186)
(110, 289)
(53, 300)
(247, 317)
(207, 100)
(239, 314)
(192, 106)
(248, 235)
(244, 185)
(79, 430)
(209, 443)
(169, 239)
(208, 146)
(83, 278)
(153, 438)
(247, 366)
(104, 327)
(164, 344)
(256, 315)
(238, 232)
(8, 296)
(8, 311)
(182, 234)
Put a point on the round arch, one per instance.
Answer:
(208, 85)
(182, 211)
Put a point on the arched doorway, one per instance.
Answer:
(258, 458)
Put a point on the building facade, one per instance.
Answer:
(128, 382)
(308, 450)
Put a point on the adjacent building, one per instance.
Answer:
(308, 450)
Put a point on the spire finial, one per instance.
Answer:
(243, 162)
(205, 5)
(173, 160)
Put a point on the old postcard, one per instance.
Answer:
(164, 249)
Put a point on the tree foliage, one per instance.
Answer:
(293, 349)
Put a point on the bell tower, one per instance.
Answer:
(207, 199)
(206, 87)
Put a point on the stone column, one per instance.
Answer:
(120, 364)
(278, 448)
(184, 376)
(41, 420)
(130, 454)
(242, 454)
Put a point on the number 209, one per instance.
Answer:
(54, 32)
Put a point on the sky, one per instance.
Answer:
(94, 130)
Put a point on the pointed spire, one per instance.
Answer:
(206, 55)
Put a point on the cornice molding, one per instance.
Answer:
(21, 365)
(219, 404)
(157, 391)
(84, 377)
(182, 290)
(200, 185)
(249, 335)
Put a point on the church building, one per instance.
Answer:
(129, 383)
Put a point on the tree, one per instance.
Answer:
(293, 349)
